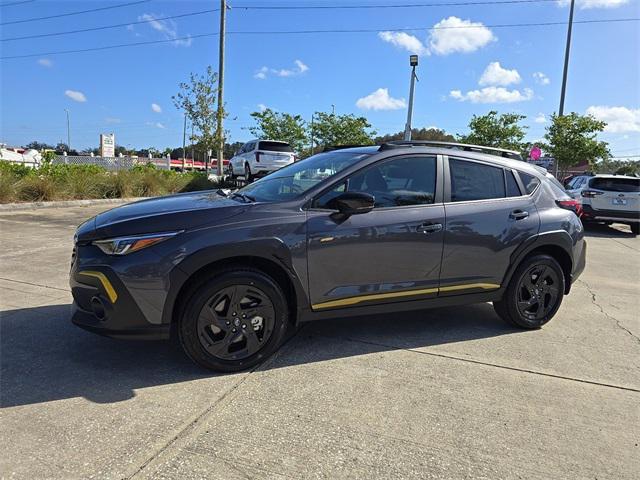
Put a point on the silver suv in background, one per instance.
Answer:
(260, 157)
(608, 198)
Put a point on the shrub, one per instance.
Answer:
(36, 188)
(15, 170)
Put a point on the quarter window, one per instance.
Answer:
(475, 181)
(530, 182)
(395, 183)
(512, 186)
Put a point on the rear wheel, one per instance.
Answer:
(231, 174)
(247, 173)
(635, 228)
(534, 293)
(233, 321)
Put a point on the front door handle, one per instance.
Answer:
(427, 228)
(518, 215)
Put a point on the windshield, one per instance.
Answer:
(295, 179)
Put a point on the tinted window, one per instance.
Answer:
(475, 181)
(249, 146)
(395, 183)
(274, 147)
(616, 184)
(512, 186)
(530, 182)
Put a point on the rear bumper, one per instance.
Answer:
(623, 216)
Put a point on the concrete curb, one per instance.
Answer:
(11, 207)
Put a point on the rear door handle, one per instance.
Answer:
(518, 214)
(430, 228)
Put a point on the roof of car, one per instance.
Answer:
(611, 175)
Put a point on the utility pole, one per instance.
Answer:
(184, 139)
(68, 131)
(223, 11)
(564, 73)
(311, 149)
(193, 153)
(413, 61)
(333, 109)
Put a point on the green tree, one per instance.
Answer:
(280, 126)
(329, 129)
(197, 98)
(572, 139)
(493, 130)
(619, 167)
(431, 134)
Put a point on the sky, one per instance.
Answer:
(469, 64)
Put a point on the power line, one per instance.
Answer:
(35, 19)
(92, 29)
(296, 32)
(306, 7)
(406, 5)
(16, 3)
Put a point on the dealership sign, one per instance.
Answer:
(107, 145)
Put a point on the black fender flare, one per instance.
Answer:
(272, 249)
(556, 238)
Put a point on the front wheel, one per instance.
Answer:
(635, 228)
(233, 321)
(534, 293)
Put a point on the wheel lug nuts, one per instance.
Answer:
(244, 315)
(228, 322)
(233, 330)
(244, 326)
(234, 314)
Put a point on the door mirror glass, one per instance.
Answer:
(353, 203)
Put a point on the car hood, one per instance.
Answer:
(163, 214)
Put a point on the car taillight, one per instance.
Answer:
(258, 157)
(590, 193)
(572, 205)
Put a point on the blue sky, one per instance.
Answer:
(462, 70)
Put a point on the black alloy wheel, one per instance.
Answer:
(534, 293)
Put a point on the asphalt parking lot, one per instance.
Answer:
(449, 393)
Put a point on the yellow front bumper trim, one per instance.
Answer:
(346, 302)
(106, 284)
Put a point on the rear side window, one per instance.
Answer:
(274, 147)
(475, 181)
(530, 182)
(616, 184)
(512, 186)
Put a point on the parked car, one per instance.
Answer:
(358, 231)
(260, 157)
(608, 198)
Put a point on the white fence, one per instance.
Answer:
(112, 163)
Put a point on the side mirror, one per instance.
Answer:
(353, 203)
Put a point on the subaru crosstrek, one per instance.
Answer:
(355, 231)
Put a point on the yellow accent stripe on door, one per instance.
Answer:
(345, 302)
(106, 284)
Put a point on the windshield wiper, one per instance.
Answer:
(243, 196)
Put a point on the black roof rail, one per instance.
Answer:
(503, 152)
(331, 148)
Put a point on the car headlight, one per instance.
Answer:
(126, 245)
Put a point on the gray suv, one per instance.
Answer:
(356, 231)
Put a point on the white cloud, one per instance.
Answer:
(299, 69)
(380, 100)
(494, 74)
(540, 118)
(262, 107)
(493, 95)
(618, 119)
(403, 40)
(541, 78)
(588, 4)
(453, 34)
(156, 108)
(45, 62)
(75, 95)
(167, 27)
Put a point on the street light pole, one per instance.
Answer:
(413, 61)
(68, 131)
(564, 72)
(184, 139)
(223, 11)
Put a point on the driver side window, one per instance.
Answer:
(399, 182)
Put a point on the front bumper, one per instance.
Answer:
(103, 305)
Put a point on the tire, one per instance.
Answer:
(635, 228)
(527, 304)
(212, 330)
(247, 173)
(231, 174)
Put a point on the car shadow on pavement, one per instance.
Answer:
(607, 231)
(44, 357)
